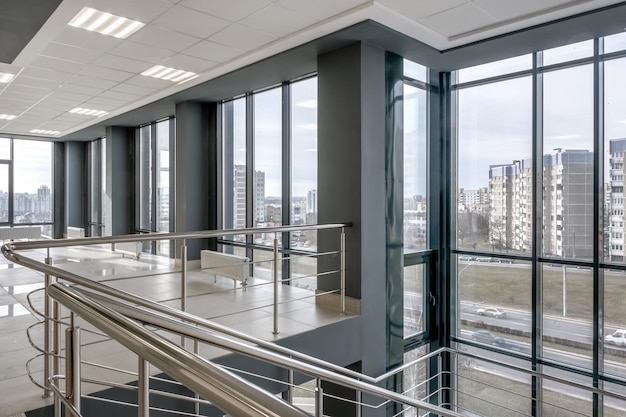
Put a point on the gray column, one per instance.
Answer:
(360, 181)
(75, 185)
(58, 189)
(196, 184)
(119, 204)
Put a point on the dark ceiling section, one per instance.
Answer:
(19, 22)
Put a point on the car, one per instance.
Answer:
(466, 258)
(491, 312)
(617, 338)
(483, 336)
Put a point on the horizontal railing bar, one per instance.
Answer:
(225, 390)
(58, 243)
(189, 330)
(401, 368)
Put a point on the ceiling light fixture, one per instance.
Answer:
(6, 77)
(7, 116)
(46, 132)
(169, 74)
(105, 23)
(88, 112)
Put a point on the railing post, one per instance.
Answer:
(319, 399)
(72, 366)
(46, 331)
(439, 380)
(56, 359)
(290, 383)
(275, 271)
(343, 270)
(183, 276)
(359, 402)
(143, 385)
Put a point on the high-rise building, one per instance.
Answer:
(311, 201)
(617, 147)
(259, 198)
(239, 197)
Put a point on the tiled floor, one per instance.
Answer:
(248, 311)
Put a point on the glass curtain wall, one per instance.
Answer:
(29, 170)
(154, 142)
(269, 173)
(539, 221)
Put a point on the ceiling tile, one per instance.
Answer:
(164, 38)
(417, 9)
(55, 64)
(321, 9)
(231, 10)
(35, 82)
(106, 73)
(278, 20)
(188, 63)
(46, 74)
(87, 40)
(118, 95)
(104, 103)
(69, 96)
(93, 82)
(134, 89)
(70, 53)
(509, 9)
(242, 37)
(141, 52)
(149, 82)
(26, 89)
(142, 10)
(121, 63)
(213, 51)
(459, 20)
(81, 89)
(190, 22)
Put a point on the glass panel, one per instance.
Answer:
(488, 390)
(414, 299)
(234, 165)
(5, 148)
(493, 69)
(495, 302)
(103, 185)
(415, 71)
(568, 163)
(495, 186)
(567, 314)
(4, 193)
(415, 379)
(304, 163)
(614, 323)
(614, 407)
(145, 178)
(615, 42)
(268, 158)
(568, 52)
(163, 184)
(264, 261)
(95, 186)
(565, 400)
(415, 169)
(615, 146)
(32, 181)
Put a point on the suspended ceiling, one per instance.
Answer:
(58, 67)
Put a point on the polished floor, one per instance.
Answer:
(156, 278)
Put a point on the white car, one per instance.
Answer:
(492, 312)
(618, 338)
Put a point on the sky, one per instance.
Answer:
(495, 120)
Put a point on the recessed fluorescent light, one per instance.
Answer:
(5, 77)
(105, 23)
(88, 112)
(169, 74)
(7, 116)
(45, 132)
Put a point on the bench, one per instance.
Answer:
(132, 249)
(227, 265)
(25, 232)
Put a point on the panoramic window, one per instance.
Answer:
(32, 184)
(530, 197)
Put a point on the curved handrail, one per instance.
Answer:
(226, 390)
(283, 360)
